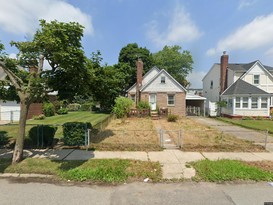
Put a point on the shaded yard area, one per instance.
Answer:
(198, 137)
(11, 129)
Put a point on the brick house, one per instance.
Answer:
(160, 89)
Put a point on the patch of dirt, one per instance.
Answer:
(264, 165)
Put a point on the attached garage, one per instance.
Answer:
(9, 111)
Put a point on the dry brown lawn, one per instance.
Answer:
(139, 134)
(135, 134)
(198, 137)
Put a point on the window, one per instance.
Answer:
(170, 99)
(133, 98)
(238, 102)
(211, 84)
(263, 102)
(254, 102)
(256, 79)
(245, 102)
(229, 103)
(163, 79)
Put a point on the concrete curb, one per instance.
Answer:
(17, 175)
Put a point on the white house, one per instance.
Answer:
(9, 110)
(246, 88)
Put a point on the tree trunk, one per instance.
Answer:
(19, 145)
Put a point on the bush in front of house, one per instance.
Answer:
(172, 118)
(48, 109)
(74, 133)
(122, 106)
(62, 111)
(143, 105)
(42, 135)
(74, 107)
(86, 106)
(39, 117)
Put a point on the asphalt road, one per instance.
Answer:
(14, 192)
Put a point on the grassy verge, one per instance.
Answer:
(260, 125)
(229, 170)
(94, 170)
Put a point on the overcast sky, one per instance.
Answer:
(243, 28)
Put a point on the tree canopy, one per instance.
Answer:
(60, 44)
(178, 63)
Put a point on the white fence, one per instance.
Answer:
(10, 116)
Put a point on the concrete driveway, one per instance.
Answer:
(258, 137)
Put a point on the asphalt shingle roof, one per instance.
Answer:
(242, 87)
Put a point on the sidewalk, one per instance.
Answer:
(173, 161)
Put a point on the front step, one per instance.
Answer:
(154, 115)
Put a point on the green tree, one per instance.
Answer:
(178, 63)
(129, 55)
(60, 44)
(106, 82)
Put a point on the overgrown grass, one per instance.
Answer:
(94, 170)
(58, 120)
(228, 170)
(255, 124)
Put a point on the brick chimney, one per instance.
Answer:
(223, 72)
(139, 65)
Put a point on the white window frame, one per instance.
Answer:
(163, 79)
(245, 102)
(254, 104)
(168, 100)
(258, 80)
(264, 104)
(237, 102)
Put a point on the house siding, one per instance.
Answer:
(179, 107)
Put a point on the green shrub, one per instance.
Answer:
(39, 117)
(86, 106)
(247, 118)
(42, 135)
(259, 118)
(122, 106)
(48, 109)
(62, 111)
(74, 107)
(74, 132)
(172, 118)
(143, 105)
(3, 138)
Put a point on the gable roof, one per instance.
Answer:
(166, 73)
(241, 87)
(146, 74)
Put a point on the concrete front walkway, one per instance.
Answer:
(173, 161)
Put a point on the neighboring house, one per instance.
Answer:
(160, 89)
(247, 88)
(10, 110)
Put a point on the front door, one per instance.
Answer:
(152, 101)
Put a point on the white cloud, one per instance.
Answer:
(195, 78)
(256, 34)
(17, 16)
(180, 28)
(246, 3)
